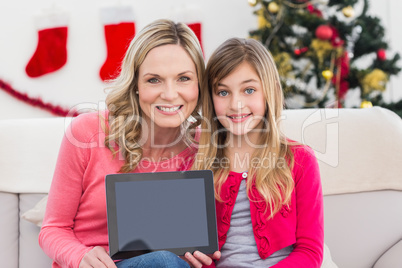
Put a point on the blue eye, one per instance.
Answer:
(184, 79)
(223, 93)
(249, 90)
(153, 80)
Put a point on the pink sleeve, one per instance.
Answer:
(56, 237)
(308, 249)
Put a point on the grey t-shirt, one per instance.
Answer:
(240, 249)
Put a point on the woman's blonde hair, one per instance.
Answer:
(274, 183)
(123, 133)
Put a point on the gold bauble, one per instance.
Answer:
(284, 63)
(375, 80)
(327, 74)
(262, 21)
(322, 48)
(273, 7)
(366, 104)
(348, 11)
(252, 3)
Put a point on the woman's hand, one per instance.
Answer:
(97, 257)
(198, 259)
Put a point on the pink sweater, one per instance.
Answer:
(75, 219)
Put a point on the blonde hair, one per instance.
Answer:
(124, 129)
(274, 184)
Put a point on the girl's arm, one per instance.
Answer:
(308, 249)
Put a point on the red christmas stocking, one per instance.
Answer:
(119, 31)
(51, 52)
(196, 27)
(190, 15)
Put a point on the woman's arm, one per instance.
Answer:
(57, 237)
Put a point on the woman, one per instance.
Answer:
(145, 129)
(268, 189)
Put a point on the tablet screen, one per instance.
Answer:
(161, 211)
(167, 221)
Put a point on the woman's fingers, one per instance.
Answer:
(97, 258)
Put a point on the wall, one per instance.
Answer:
(78, 84)
(389, 13)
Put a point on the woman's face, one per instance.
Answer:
(167, 86)
(239, 101)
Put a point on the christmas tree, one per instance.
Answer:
(321, 48)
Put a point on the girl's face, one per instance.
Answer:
(167, 86)
(239, 101)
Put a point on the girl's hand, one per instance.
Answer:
(97, 257)
(198, 259)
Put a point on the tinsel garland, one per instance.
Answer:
(37, 102)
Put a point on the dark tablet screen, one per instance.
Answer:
(172, 211)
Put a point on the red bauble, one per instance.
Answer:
(324, 32)
(314, 10)
(381, 55)
(299, 51)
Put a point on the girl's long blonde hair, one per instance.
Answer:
(273, 183)
(123, 132)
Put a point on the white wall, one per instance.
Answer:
(389, 13)
(78, 82)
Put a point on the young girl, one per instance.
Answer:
(268, 189)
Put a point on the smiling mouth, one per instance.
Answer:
(169, 109)
(238, 117)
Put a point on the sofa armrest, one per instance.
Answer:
(391, 258)
(9, 230)
(360, 227)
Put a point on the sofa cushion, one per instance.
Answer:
(357, 149)
(30, 254)
(9, 230)
(327, 261)
(360, 227)
(36, 214)
(391, 258)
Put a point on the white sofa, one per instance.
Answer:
(360, 158)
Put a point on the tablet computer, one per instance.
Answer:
(173, 211)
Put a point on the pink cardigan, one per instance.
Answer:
(300, 225)
(75, 219)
